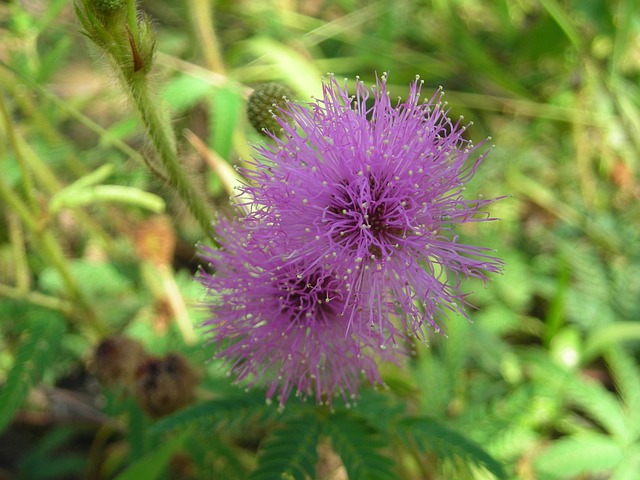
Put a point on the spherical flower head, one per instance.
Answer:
(282, 324)
(376, 190)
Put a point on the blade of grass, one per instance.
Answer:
(564, 21)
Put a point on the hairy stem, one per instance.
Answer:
(164, 143)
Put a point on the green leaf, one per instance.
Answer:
(43, 332)
(629, 467)
(227, 460)
(213, 414)
(599, 339)
(290, 451)
(86, 191)
(564, 21)
(503, 427)
(48, 458)
(430, 435)
(431, 376)
(481, 59)
(93, 178)
(555, 316)
(155, 462)
(358, 445)
(185, 91)
(587, 453)
(107, 194)
(588, 395)
(587, 303)
(626, 375)
(599, 404)
(97, 280)
(54, 57)
(226, 107)
(285, 60)
(378, 409)
(138, 439)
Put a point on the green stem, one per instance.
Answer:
(27, 182)
(129, 40)
(164, 143)
(51, 250)
(202, 14)
(17, 241)
(132, 16)
(43, 176)
(37, 298)
(14, 202)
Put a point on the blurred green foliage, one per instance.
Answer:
(544, 382)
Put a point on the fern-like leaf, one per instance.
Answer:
(378, 409)
(43, 332)
(588, 395)
(427, 434)
(291, 451)
(626, 375)
(502, 427)
(221, 460)
(213, 414)
(599, 404)
(586, 453)
(155, 462)
(359, 447)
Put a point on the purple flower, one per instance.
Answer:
(374, 193)
(281, 324)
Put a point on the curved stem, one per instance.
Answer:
(52, 251)
(163, 140)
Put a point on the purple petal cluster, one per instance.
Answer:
(284, 323)
(350, 242)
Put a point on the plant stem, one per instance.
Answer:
(37, 298)
(51, 250)
(127, 37)
(17, 241)
(27, 182)
(202, 16)
(163, 140)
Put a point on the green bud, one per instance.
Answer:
(122, 32)
(102, 20)
(108, 5)
(262, 104)
(143, 46)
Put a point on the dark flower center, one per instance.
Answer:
(309, 299)
(367, 216)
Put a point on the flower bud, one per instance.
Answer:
(108, 5)
(102, 19)
(130, 42)
(143, 46)
(262, 106)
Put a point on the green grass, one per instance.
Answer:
(540, 384)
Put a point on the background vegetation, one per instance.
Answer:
(543, 383)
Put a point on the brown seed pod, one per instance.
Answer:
(116, 360)
(164, 385)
